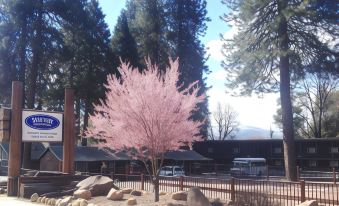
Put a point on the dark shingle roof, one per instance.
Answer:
(187, 155)
(88, 154)
(36, 150)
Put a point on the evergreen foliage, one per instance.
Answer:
(279, 41)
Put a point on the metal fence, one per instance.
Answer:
(265, 192)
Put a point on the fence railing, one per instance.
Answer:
(264, 192)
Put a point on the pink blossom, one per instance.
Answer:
(146, 110)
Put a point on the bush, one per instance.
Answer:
(254, 199)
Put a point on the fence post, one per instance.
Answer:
(298, 173)
(232, 190)
(302, 191)
(216, 169)
(181, 183)
(267, 172)
(142, 182)
(334, 176)
(112, 176)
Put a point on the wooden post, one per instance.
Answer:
(142, 182)
(302, 191)
(298, 173)
(232, 189)
(181, 183)
(112, 176)
(267, 172)
(14, 163)
(334, 176)
(68, 151)
(215, 169)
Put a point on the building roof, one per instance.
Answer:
(86, 154)
(333, 139)
(185, 155)
(36, 150)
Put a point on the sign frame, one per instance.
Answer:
(47, 132)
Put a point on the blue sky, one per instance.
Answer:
(252, 111)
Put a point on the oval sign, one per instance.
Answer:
(42, 122)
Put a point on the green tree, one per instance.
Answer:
(123, 43)
(186, 25)
(279, 40)
(147, 25)
(298, 121)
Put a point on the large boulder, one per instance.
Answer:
(80, 202)
(83, 194)
(131, 201)
(136, 193)
(65, 201)
(126, 190)
(98, 185)
(34, 197)
(115, 195)
(309, 203)
(218, 202)
(181, 195)
(196, 198)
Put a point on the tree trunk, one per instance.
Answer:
(22, 51)
(32, 80)
(285, 95)
(156, 189)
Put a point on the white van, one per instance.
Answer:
(171, 171)
(248, 167)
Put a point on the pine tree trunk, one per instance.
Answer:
(285, 95)
(33, 75)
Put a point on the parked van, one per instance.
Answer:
(171, 171)
(248, 167)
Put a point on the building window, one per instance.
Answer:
(278, 163)
(334, 163)
(277, 150)
(236, 150)
(210, 150)
(311, 150)
(334, 149)
(312, 163)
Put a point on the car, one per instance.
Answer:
(175, 171)
(248, 167)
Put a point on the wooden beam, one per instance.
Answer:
(69, 132)
(14, 163)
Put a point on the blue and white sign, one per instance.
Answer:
(39, 126)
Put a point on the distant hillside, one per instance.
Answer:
(247, 132)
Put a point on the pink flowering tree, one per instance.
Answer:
(147, 114)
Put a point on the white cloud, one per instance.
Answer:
(252, 111)
(214, 47)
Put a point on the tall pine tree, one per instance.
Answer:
(280, 40)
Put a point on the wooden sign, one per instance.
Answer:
(5, 124)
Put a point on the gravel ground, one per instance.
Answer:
(13, 201)
(144, 200)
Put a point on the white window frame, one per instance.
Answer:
(334, 163)
(236, 150)
(311, 150)
(334, 149)
(312, 163)
(277, 150)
